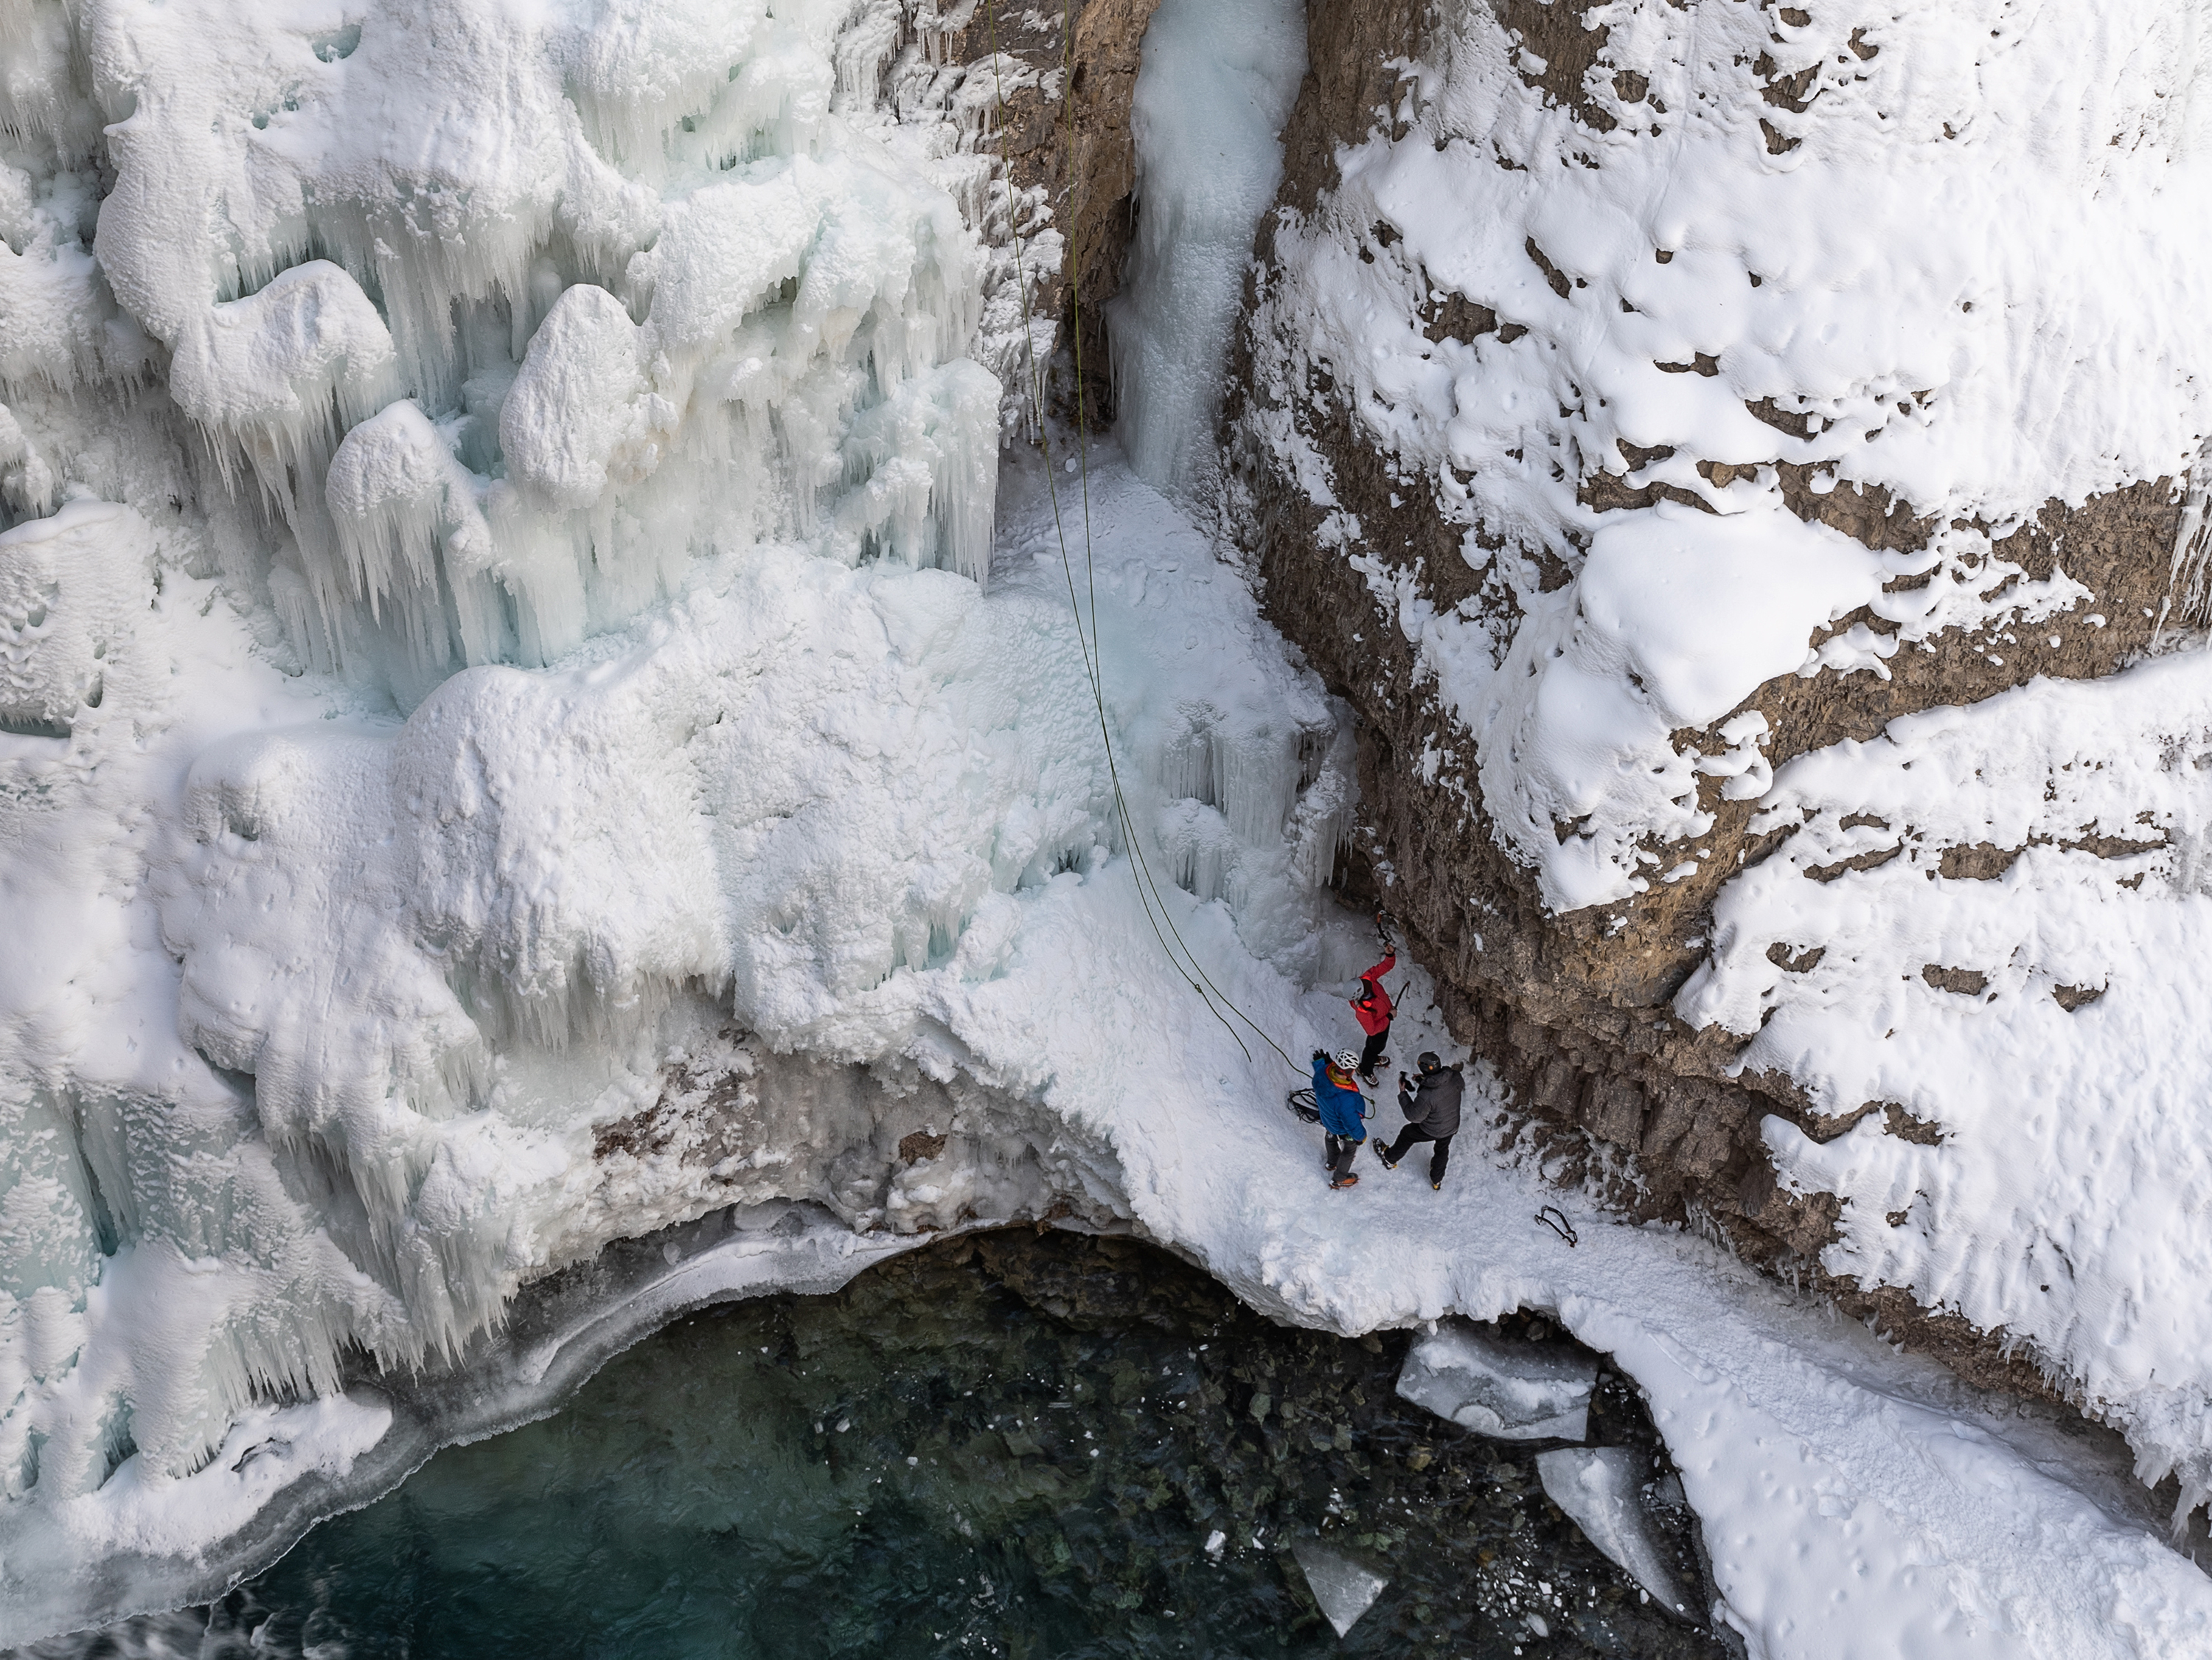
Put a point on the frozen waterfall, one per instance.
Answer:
(494, 658)
(539, 710)
(1219, 81)
(586, 299)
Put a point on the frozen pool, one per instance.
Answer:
(1012, 1444)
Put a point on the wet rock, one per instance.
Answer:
(1512, 1391)
(1600, 1488)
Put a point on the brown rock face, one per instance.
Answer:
(1573, 1008)
(1064, 129)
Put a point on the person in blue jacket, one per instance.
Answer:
(1343, 1114)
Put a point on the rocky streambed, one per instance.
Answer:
(1021, 1443)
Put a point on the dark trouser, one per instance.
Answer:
(1404, 1145)
(1340, 1152)
(1372, 1052)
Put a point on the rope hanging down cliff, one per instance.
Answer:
(1156, 913)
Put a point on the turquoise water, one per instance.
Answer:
(1013, 1444)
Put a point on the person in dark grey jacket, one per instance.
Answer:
(1430, 1104)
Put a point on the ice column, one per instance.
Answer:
(1215, 86)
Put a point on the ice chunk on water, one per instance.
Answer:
(1597, 1487)
(1514, 1391)
(1345, 1589)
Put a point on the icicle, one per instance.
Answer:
(2193, 539)
(927, 462)
(1259, 774)
(27, 483)
(397, 496)
(864, 50)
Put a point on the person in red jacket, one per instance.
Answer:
(1373, 1008)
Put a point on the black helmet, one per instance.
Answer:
(1428, 1061)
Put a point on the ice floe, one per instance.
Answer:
(1514, 1391)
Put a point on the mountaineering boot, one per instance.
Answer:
(1389, 1163)
(1435, 1187)
(1344, 1182)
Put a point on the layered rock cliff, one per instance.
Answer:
(1634, 397)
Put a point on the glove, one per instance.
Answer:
(1320, 1055)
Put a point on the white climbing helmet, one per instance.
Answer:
(1345, 1059)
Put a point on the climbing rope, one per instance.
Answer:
(1155, 904)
